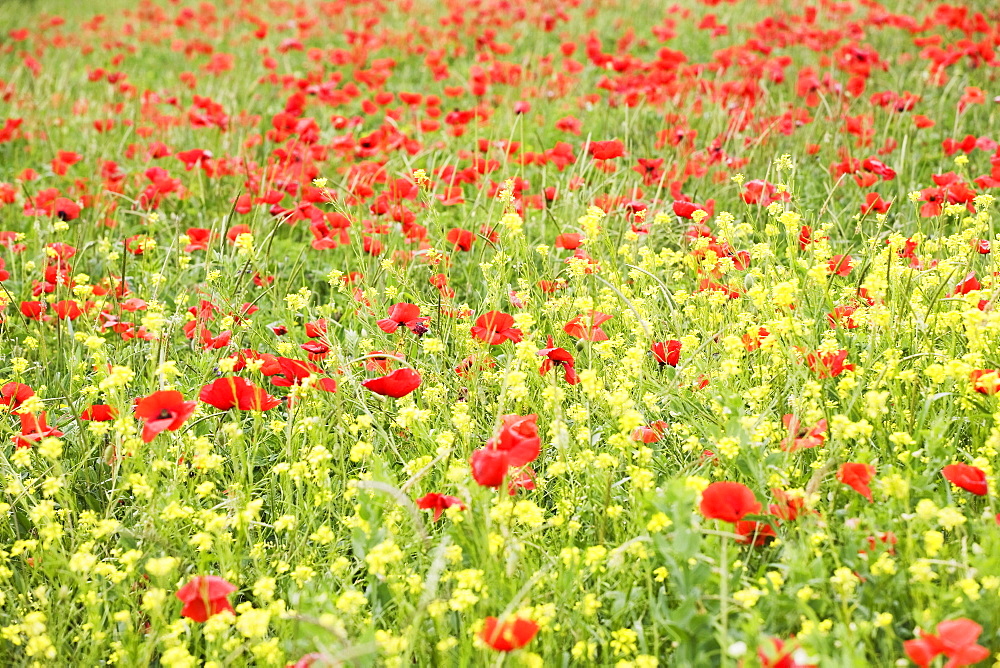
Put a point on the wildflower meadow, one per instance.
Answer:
(499, 332)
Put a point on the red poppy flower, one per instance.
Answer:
(489, 466)
(204, 596)
(235, 392)
(518, 437)
(558, 357)
(307, 660)
(440, 281)
(317, 350)
(875, 203)
(516, 444)
(788, 507)
(775, 653)
(650, 433)
(969, 478)
(841, 265)
(754, 533)
(920, 651)
(606, 150)
(14, 394)
(985, 381)
(495, 327)
(828, 365)
(99, 413)
(397, 384)
(569, 241)
(286, 372)
(588, 327)
(67, 309)
(210, 342)
(967, 285)
(857, 476)
(753, 341)
(34, 429)
(842, 315)
(406, 315)
(165, 410)
(523, 479)
(65, 209)
(508, 635)
(461, 239)
(667, 352)
(439, 503)
(799, 437)
(32, 310)
(956, 639)
(200, 238)
(728, 502)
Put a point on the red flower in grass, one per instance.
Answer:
(956, 639)
(32, 310)
(606, 150)
(235, 392)
(405, 315)
(857, 476)
(775, 653)
(842, 315)
(728, 502)
(667, 352)
(754, 533)
(788, 507)
(317, 350)
(875, 203)
(439, 503)
(970, 478)
(34, 429)
(495, 327)
(67, 309)
(461, 239)
(204, 596)
(14, 394)
(440, 281)
(985, 381)
(165, 410)
(199, 239)
(828, 365)
(508, 635)
(841, 265)
(99, 413)
(489, 466)
(558, 357)
(799, 437)
(588, 327)
(650, 433)
(967, 285)
(285, 372)
(516, 445)
(397, 384)
(569, 241)
(316, 329)
(753, 341)
(518, 436)
(523, 479)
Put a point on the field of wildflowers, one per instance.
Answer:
(483, 332)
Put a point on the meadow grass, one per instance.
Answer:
(783, 209)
